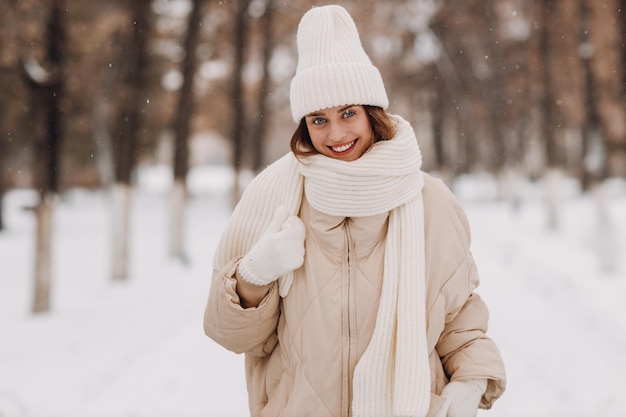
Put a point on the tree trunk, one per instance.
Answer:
(546, 14)
(606, 237)
(593, 169)
(493, 88)
(607, 70)
(43, 253)
(48, 89)
(1, 209)
(438, 112)
(451, 67)
(178, 201)
(260, 132)
(100, 116)
(562, 104)
(121, 196)
(238, 93)
(131, 108)
(182, 129)
(541, 99)
(2, 185)
(567, 87)
(102, 142)
(553, 185)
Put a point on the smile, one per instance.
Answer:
(343, 148)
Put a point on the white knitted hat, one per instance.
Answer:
(333, 68)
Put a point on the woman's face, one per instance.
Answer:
(342, 132)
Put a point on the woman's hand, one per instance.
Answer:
(278, 251)
(464, 397)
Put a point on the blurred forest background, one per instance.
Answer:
(92, 90)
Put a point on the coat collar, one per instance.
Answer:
(330, 231)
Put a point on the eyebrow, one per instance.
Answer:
(341, 110)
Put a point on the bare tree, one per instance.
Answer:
(601, 106)
(2, 186)
(496, 100)
(238, 91)
(125, 138)
(4, 42)
(451, 26)
(182, 129)
(47, 84)
(541, 99)
(263, 116)
(568, 107)
(606, 64)
(593, 168)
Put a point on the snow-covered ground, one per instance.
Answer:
(137, 348)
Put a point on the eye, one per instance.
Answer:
(349, 113)
(318, 121)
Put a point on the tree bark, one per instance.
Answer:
(48, 89)
(492, 86)
(238, 93)
(2, 184)
(121, 197)
(593, 168)
(544, 16)
(182, 130)
(132, 85)
(452, 68)
(102, 142)
(438, 111)
(607, 72)
(568, 87)
(43, 251)
(262, 121)
(541, 99)
(131, 110)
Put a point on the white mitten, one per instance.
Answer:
(464, 396)
(279, 250)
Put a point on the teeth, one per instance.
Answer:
(342, 148)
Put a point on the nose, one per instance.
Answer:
(336, 133)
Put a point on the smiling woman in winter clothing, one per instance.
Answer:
(345, 273)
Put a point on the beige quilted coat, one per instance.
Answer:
(301, 350)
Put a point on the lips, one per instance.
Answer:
(343, 148)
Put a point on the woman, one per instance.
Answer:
(345, 273)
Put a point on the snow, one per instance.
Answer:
(137, 348)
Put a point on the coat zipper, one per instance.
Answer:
(345, 325)
(349, 312)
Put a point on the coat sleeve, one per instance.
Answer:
(465, 349)
(463, 346)
(250, 330)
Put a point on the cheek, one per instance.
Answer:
(369, 134)
(317, 142)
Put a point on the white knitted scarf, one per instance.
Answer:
(392, 378)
